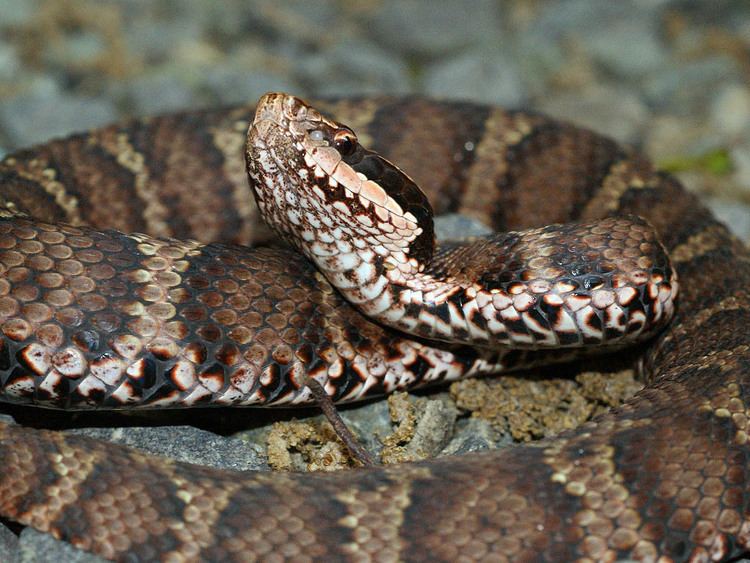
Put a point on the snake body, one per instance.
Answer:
(663, 476)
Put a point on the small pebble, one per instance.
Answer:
(730, 109)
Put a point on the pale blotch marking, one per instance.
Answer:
(489, 164)
(38, 172)
(154, 213)
(366, 523)
(699, 244)
(622, 177)
(231, 143)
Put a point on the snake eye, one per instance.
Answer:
(345, 141)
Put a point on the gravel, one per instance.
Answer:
(356, 67)
(730, 110)
(55, 113)
(689, 87)
(8, 545)
(36, 547)
(615, 111)
(482, 74)
(428, 30)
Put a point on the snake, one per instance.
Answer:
(130, 280)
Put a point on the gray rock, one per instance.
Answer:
(44, 112)
(482, 75)
(436, 420)
(735, 215)
(17, 12)
(201, 18)
(369, 423)
(475, 435)
(432, 29)
(310, 22)
(609, 110)
(630, 48)
(8, 545)
(75, 50)
(669, 137)
(687, 87)
(36, 547)
(354, 67)
(161, 91)
(160, 41)
(232, 85)
(538, 60)
(10, 66)
(740, 156)
(589, 18)
(186, 444)
(453, 226)
(730, 109)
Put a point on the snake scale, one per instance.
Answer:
(95, 318)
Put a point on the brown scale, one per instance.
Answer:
(666, 475)
(408, 127)
(570, 161)
(164, 323)
(628, 244)
(583, 257)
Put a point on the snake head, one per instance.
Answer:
(321, 190)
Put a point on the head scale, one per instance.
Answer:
(310, 173)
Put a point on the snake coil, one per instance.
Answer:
(94, 318)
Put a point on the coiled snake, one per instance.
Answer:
(94, 318)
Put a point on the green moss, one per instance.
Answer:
(717, 162)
